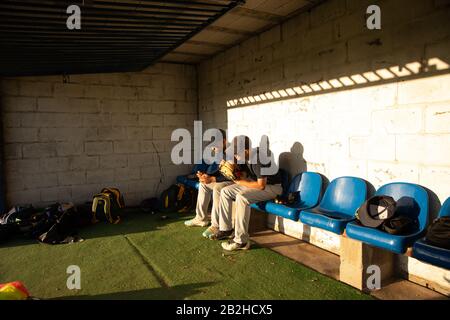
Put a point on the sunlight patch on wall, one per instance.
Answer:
(366, 78)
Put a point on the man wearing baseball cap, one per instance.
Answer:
(262, 182)
(211, 183)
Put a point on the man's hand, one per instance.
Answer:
(206, 179)
(203, 178)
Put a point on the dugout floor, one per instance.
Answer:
(146, 257)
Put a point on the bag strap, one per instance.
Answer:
(105, 198)
(117, 196)
(180, 192)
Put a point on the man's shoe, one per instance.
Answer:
(234, 246)
(196, 223)
(223, 235)
(208, 233)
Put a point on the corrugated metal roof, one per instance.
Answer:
(115, 35)
(239, 24)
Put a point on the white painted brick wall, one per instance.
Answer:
(65, 141)
(391, 127)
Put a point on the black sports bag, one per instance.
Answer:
(177, 198)
(439, 233)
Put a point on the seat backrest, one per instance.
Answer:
(413, 197)
(445, 209)
(309, 185)
(345, 195)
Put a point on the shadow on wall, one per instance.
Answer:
(293, 162)
(352, 79)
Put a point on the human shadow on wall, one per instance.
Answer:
(265, 154)
(292, 161)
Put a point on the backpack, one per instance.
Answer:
(188, 200)
(40, 222)
(25, 220)
(17, 214)
(116, 195)
(177, 198)
(64, 227)
(107, 205)
(439, 233)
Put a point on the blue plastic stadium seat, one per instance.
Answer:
(309, 186)
(412, 200)
(431, 254)
(445, 209)
(339, 204)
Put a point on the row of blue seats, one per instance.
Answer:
(334, 210)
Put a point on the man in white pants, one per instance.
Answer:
(255, 188)
(210, 186)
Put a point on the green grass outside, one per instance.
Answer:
(146, 257)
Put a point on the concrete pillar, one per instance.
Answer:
(357, 257)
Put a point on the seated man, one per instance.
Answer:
(211, 183)
(258, 186)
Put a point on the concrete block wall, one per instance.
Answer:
(367, 103)
(65, 139)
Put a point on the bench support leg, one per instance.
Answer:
(360, 263)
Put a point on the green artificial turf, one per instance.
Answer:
(146, 257)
